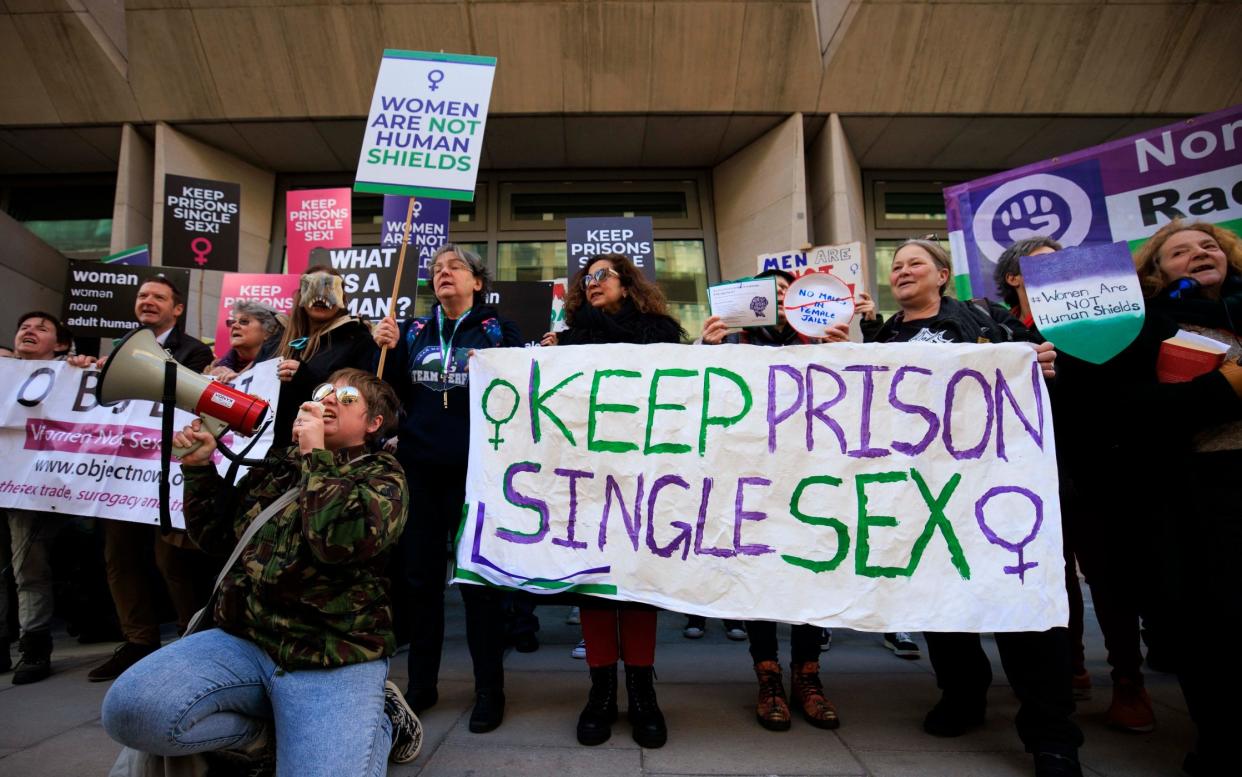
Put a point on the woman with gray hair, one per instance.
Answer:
(254, 333)
(428, 368)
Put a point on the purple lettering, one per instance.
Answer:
(683, 537)
(632, 525)
(517, 499)
(573, 475)
(814, 411)
(864, 449)
(774, 418)
(699, 550)
(741, 514)
(1002, 388)
(933, 423)
(949, 394)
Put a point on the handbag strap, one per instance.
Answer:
(260, 520)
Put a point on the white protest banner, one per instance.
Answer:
(424, 134)
(844, 261)
(875, 487)
(64, 453)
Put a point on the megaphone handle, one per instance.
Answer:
(214, 426)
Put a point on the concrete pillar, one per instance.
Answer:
(837, 208)
(135, 176)
(760, 199)
(34, 276)
(179, 154)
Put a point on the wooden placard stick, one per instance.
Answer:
(396, 283)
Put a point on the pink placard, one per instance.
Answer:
(277, 291)
(316, 218)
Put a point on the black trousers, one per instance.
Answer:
(1039, 667)
(436, 497)
(803, 642)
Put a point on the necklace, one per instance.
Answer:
(446, 348)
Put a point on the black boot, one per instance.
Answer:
(6, 661)
(36, 660)
(600, 712)
(644, 713)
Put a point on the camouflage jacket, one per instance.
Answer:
(310, 587)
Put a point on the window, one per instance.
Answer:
(70, 213)
(540, 205)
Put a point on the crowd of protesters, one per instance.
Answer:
(354, 508)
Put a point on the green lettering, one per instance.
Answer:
(608, 446)
(537, 404)
(843, 535)
(938, 520)
(865, 522)
(705, 419)
(653, 406)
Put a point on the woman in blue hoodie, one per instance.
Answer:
(427, 366)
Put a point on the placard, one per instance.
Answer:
(202, 223)
(745, 303)
(527, 304)
(630, 236)
(276, 291)
(368, 273)
(66, 454)
(898, 487)
(845, 261)
(1086, 300)
(428, 230)
(316, 218)
(424, 133)
(99, 298)
(1121, 191)
(817, 302)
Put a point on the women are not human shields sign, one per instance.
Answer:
(881, 488)
(424, 133)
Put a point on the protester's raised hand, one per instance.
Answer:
(864, 306)
(82, 360)
(308, 427)
(549, 339)
(838, 333)
(194, 434)
(287, 369)
(714, 331)
(1046, 355)
(385, 333)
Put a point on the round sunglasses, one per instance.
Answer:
(345, 395)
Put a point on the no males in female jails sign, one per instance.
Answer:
(895, 487)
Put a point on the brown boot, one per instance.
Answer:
(772, 709)
(808, 694)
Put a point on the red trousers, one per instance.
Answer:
(627, 633)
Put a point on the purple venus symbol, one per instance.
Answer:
(995, 539)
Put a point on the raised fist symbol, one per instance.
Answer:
(1031, 215)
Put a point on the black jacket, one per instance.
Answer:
(436, 425)
(957, 321)
(627, 325)
(348, 345)
(189, 351)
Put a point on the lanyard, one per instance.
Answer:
(446, 348)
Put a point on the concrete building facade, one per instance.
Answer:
(740, 126)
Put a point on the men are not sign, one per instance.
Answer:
(881, 488)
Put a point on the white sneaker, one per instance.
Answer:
(407, 730)
(579, 650)
(902, 644)
(575, 616)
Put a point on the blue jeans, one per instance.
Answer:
(215, 691)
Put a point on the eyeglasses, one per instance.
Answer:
(453, 265)
(345, 395)
(229, 322)
(599, 276)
